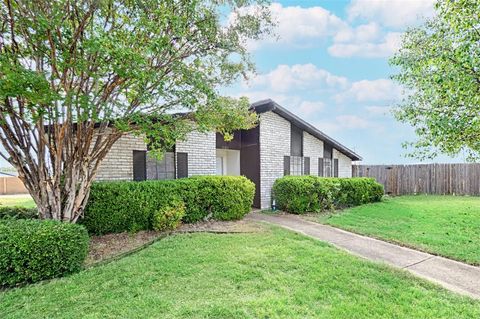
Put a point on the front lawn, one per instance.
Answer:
(443, 225)
(17, 200)
(272, 273)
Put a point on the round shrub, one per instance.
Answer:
(18, 212)
(303, 194)
(34, 250)
(297, 194)
(221, 197)
(169, 217)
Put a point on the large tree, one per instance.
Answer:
(75, 76)
(439, 65)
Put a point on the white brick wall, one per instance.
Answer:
(274, 145)
(313, 148)
(118, 164)
(344, 164)
(201, 152)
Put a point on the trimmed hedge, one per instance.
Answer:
(34, 250)
(18, 212)
(130, 206)
(302, 194)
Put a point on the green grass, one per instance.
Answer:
(17, 200)
(270, 274)
(443, 225)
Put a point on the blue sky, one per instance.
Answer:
(330, 67)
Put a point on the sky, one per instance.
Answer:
(329, 65)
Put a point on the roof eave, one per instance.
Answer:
(267, 105)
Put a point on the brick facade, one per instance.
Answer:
(201, 149)
(344, 164)
(274, 145)
(313, 148)
(118, 164)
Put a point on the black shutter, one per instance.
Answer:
(320, 167)
(139, 165)
(306, 166)
(286, 165)
(296, 141)
(182, 165)
(335, 167)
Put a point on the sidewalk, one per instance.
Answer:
(453, 275)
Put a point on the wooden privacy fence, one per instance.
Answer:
(455, 179)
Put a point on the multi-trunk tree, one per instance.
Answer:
(75, 76)
(439, 64)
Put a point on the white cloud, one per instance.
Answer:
(362, 33)
(391, 13)
(285, 78)
(365, 44)
(300, 27)
(371, 90)
(376, 110)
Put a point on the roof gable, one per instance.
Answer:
(270, 105)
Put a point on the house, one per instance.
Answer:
(282, 144)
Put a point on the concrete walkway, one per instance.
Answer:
(453, 275)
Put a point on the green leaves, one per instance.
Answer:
(110, 60)
(439, 65)
(34, 250)
(132, 206)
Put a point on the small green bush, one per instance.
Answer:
(130, 206)
(34, 250)
(216, 197)
(18, 212)
(302, 194)
(169, 217)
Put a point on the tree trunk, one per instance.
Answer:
(60, 182)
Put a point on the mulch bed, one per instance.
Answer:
(111, 246)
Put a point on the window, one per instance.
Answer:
(327, 167)
(296, 165)
(161, 169)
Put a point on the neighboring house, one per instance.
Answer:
(282, 144)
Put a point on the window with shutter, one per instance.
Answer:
(182, 165)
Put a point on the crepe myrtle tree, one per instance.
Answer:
(75, 76)
(439, 65)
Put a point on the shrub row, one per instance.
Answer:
(131, 206)
(301, 194)
(18, 212)
(33, 250)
